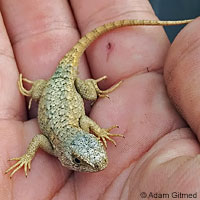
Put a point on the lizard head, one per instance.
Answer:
(85, 153)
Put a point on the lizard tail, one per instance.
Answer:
(75, 53)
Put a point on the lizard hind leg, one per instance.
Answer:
(36, 90)
(89, 89)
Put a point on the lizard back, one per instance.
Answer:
(60, 104)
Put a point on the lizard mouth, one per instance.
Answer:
(101, 166)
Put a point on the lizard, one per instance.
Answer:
(66, 132)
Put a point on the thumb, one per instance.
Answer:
(182, 74)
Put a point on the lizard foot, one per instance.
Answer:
(35, 91)
(104, 93)
(104, 134)
(24, 91)
(89, 89)
(24, 160)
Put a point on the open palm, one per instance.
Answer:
(159, 152)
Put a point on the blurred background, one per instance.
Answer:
(174, 10)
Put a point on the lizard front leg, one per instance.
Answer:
(104, 134)
(36, 90)
(89, 89)
(39, 141)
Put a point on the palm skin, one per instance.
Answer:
(159, 153)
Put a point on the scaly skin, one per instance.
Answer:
(61, 115)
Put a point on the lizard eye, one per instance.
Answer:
(77, 161)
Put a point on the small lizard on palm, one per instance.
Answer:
(67, 133)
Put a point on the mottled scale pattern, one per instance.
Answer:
(74, 141)
(57, 108)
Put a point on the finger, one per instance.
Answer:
(41, 37)
(41, 33)
(182, 74)
(126, 51)
(11, 102)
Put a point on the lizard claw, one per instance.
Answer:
(24, 91)
(24, 160)
(104, 93)
(106, 135)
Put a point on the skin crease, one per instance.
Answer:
(159, 153)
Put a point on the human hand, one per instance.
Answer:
(158, 153)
